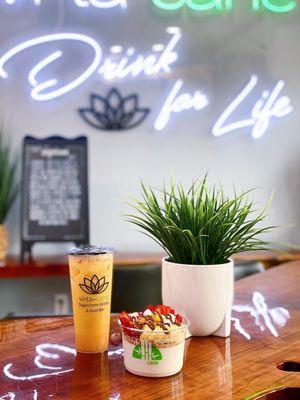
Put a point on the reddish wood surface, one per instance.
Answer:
(215, 368)
(268, 258)
(58, 266)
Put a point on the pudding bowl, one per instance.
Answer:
(154, 354)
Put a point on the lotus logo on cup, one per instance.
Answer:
(94, 285)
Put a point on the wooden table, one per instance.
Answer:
(37, 357)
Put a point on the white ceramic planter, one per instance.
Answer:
(201, 293)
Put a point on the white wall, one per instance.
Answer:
(217, 54)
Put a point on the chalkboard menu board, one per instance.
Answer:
(54, 191)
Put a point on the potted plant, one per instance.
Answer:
(200, 229)
(8, 190)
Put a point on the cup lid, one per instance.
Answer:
(89, 251)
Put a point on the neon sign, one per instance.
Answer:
(176, 103)
(101, 3)
(114, 66)
(104, 4)
(126, 63)
(12, 2)
(270, 104)
(275, 6)
(38, 91)
(122, 62)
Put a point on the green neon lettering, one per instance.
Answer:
(169, 5)
(275, 6)
(285, 6)
(256, 5)
(228, 5)
(204, 5)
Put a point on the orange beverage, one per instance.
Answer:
(91, 272)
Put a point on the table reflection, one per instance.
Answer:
(53, 360)
(44, 354)
(265, 318)
(57, 370)
(91, 372)
(224, 369)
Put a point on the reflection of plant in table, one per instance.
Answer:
(9, 186)
(201, 225)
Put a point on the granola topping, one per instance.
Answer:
(159, 324)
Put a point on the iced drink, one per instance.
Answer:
(153, 341)
(91, 283)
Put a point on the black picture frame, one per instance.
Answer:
(76, 231)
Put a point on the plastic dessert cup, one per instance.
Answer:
(91, 283)
(154, 354)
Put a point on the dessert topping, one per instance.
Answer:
(154, 318)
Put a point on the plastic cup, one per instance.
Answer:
(91, 271)
(154, 354)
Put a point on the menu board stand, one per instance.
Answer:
(54, 192)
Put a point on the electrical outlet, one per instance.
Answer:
(61, 304)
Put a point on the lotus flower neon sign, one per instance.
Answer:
(114, 112)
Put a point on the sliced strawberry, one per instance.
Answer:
(125, 319)
(170, 310)
(161, 309)
(150, 307)
(179, 319)
(127, 324)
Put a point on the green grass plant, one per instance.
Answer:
(201, 225)
(9, 186)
